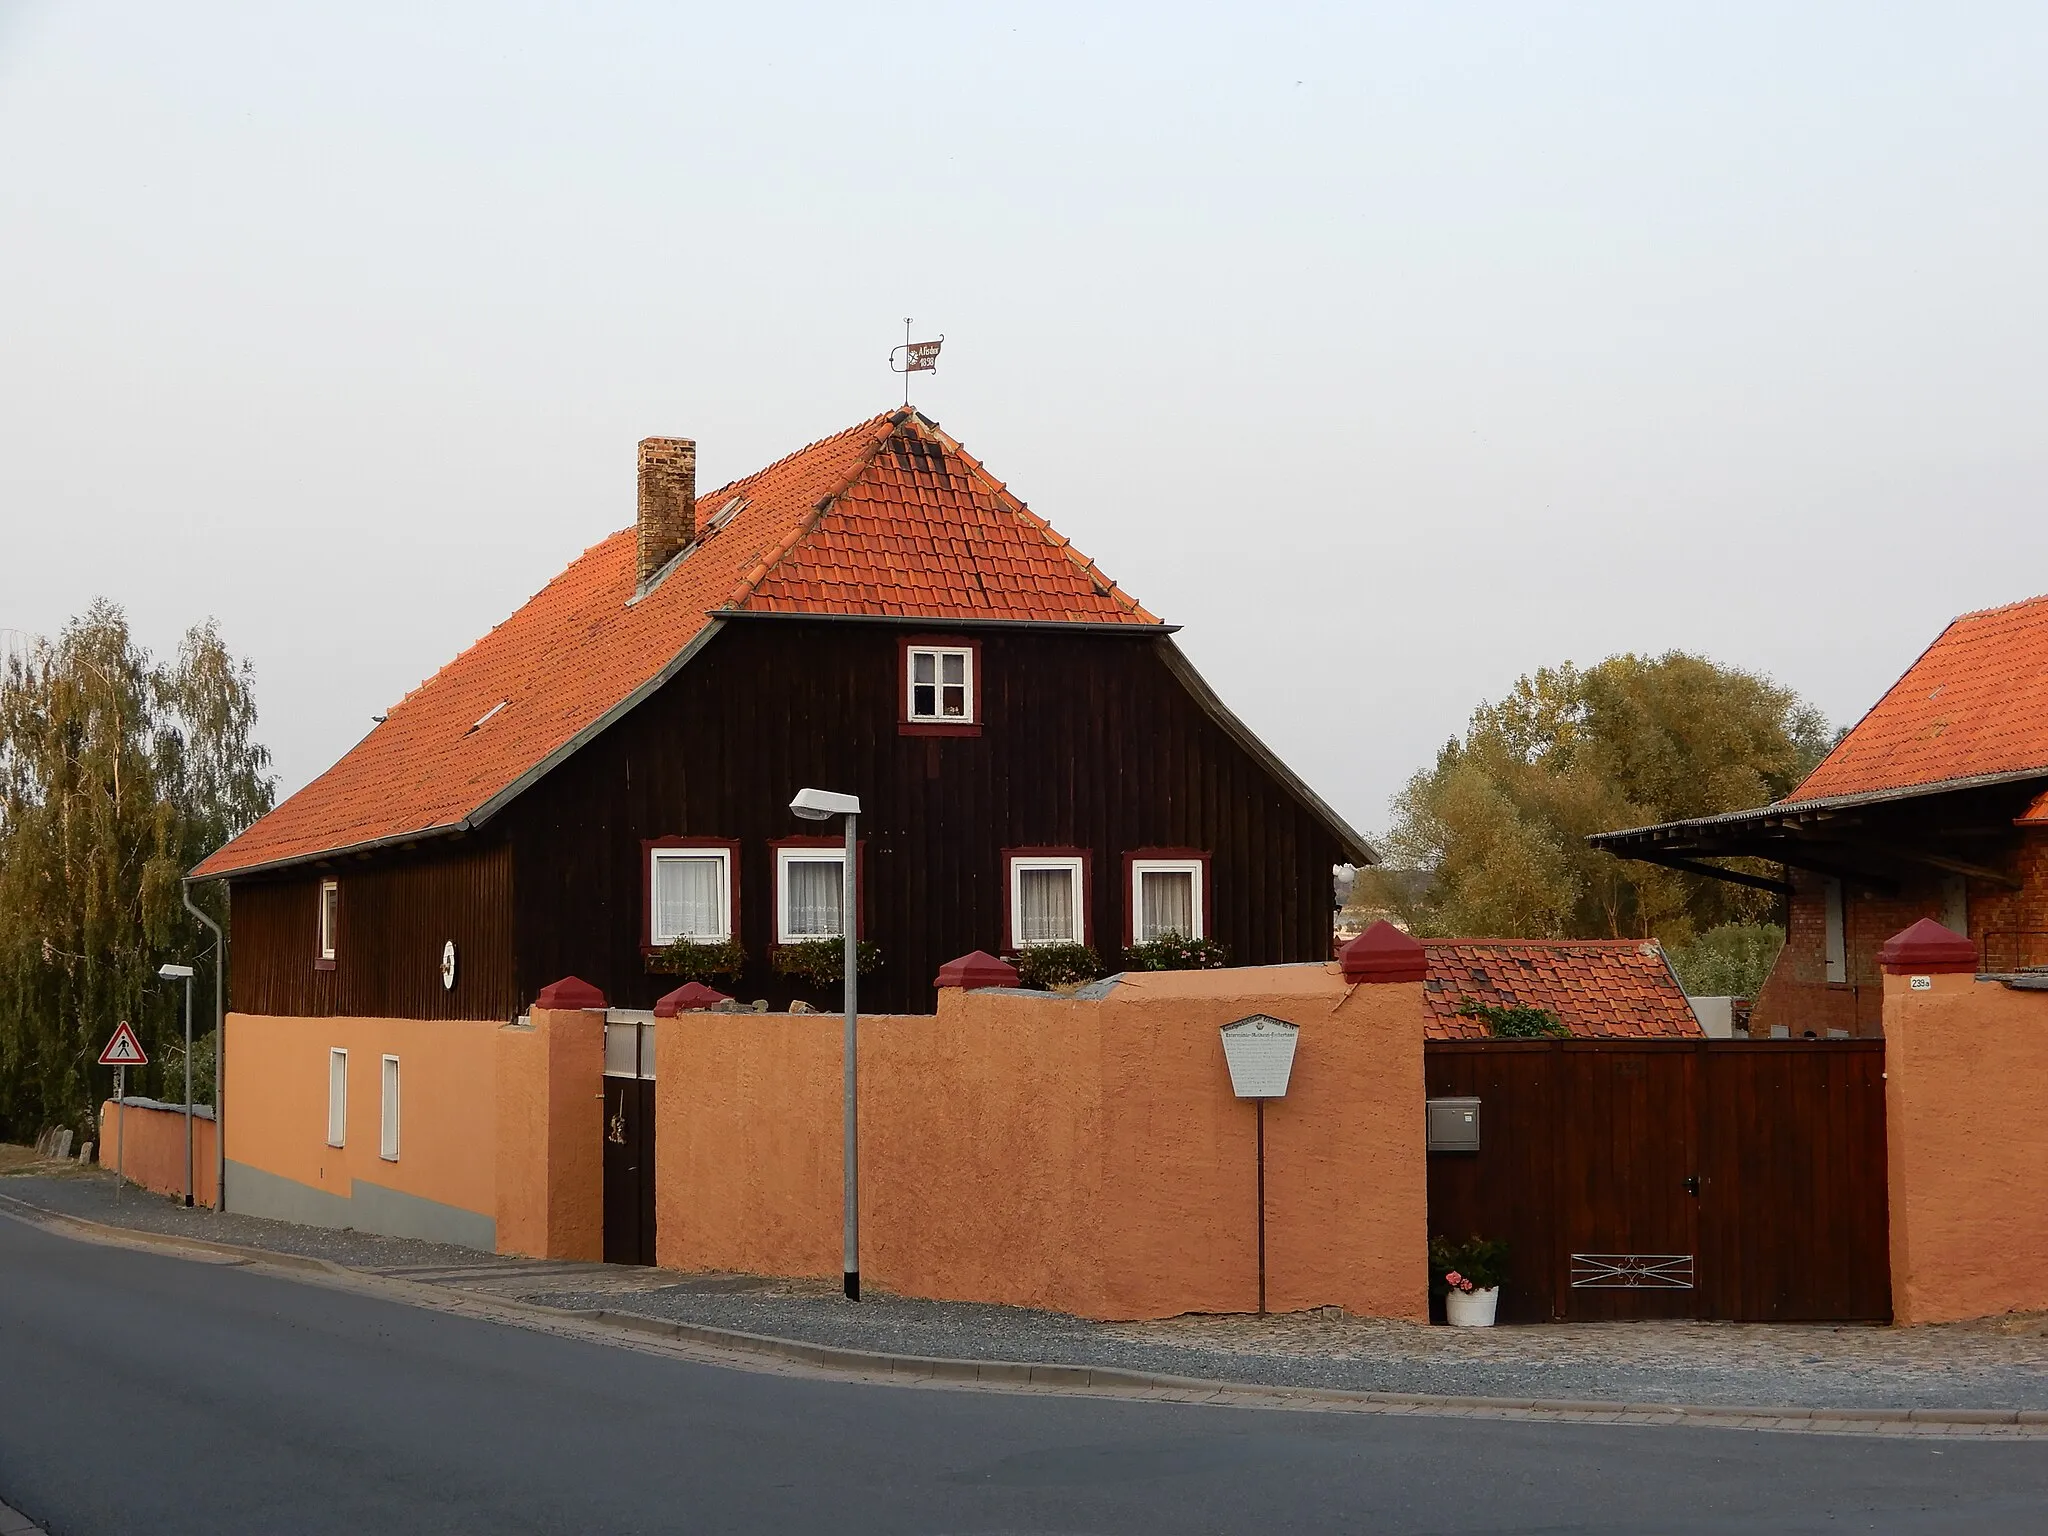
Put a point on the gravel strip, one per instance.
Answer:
(1710, 1363)
(90, 1193)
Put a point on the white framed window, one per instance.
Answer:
(941, 684)
(809, 892)
(330, 917)
(337, 1097)
(689, 895)
(1047, 899)
(1166, 897)
(387, 1140)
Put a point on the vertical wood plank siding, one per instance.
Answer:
(396, 913)
(1086, 740)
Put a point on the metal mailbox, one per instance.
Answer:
(1454, 1125)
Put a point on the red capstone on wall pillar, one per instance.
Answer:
(1927, 948)
(690, 997)
(568, 994)
(972, 972)
(1383, 953)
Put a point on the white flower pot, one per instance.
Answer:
(1472, 1309)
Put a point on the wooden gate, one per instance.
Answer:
(628, 1139)
(1740, 1180)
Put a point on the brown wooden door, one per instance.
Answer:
(1627, 1172)
(628, 1170)
(1793, 1209)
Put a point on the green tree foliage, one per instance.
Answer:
(117, 774)
(1729, 961)
(1499, 822)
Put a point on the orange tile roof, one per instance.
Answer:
(1974, 704)
(891, 517)
(1603, 989)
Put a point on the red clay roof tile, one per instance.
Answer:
(1603, 989)
(1975, 703)
(888, 517)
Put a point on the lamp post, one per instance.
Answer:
(822, 805)
(184, 973)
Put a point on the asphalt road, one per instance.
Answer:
(144, 1393)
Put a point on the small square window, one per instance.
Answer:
(387, 1147)
(690, 891)
(1047, 900)
(330, 919)
(941, 684)
(810, 890)
(1166, 897)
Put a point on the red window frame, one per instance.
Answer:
(648, 845)
(1010, 857)
(837, 845)
(1184, 856)
(905, 726)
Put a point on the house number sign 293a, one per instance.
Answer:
(448, 966)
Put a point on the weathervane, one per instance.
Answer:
(918, 357)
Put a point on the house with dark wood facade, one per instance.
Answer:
(610, 769)
(1934, 805)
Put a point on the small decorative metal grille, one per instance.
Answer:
(1632, 1272)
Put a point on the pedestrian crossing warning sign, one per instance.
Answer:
(124, 1050)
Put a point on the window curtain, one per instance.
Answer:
(687, 900)
(813, 896)
(1045, 906)
(1166, 903)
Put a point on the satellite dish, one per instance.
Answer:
(448, 966)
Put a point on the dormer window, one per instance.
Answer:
(939, 684)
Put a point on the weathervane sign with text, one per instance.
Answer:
(917, 357)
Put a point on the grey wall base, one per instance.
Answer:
(369, 1208)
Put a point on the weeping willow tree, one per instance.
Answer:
(117, 774)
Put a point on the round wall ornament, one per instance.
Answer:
(448, 966)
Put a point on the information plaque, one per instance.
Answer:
(1260, 1052)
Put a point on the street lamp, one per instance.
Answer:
(184, 973)
(823, 805)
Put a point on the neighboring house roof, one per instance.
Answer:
(1971, 713)
(1603, 989)
(1975, 704)
(891, 518)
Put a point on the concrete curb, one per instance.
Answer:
(106, 1232)
(14, 1523)
(1116, 1380)
(1086, 1377)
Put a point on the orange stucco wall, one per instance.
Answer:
(277, 1105)
(549, 1135)
(150, 1151)
(1966, 1062)
(1081, 1155)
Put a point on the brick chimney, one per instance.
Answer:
(668, 501)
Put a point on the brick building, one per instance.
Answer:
(1935, 805)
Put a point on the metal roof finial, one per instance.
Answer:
(918, 357)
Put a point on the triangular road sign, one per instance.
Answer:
(124, 1050)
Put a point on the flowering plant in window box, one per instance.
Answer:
(696, 960)
(822, 962)
(1176, 952)
(1050, 966)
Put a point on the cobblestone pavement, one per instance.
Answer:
(2001, 1363)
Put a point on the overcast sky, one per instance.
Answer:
(1391, 350)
